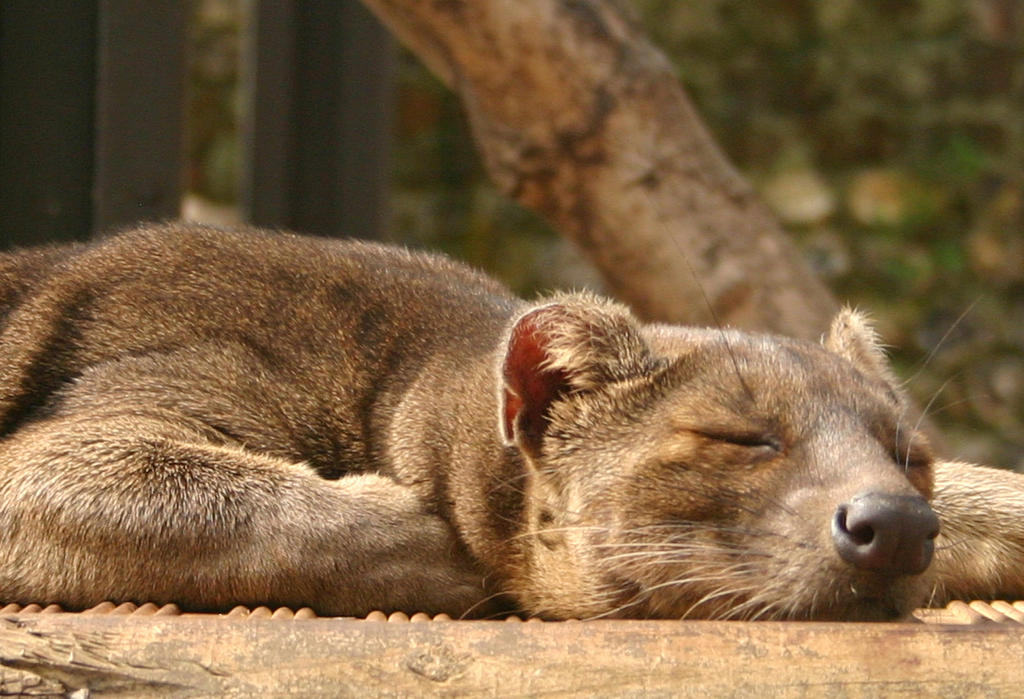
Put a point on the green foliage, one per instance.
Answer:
(443, 198)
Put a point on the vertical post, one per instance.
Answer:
(318, 77)
(47, 69)
(140, 107)
(366, 109)
(268, 83)
(91, 116)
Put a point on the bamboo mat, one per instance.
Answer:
(956, 613)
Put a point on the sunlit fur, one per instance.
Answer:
(216, 417)
(633, 510)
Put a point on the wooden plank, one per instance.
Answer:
(47, 65)
(206, 655)
(140, 87)
(318, 84)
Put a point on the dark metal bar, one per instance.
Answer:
(268, 78)
(47, 68)
(320, 99)
(139, 111)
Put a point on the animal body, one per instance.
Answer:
(215, 417)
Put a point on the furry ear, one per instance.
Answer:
(574, 344)
(853, 338)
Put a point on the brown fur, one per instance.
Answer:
(212, 417)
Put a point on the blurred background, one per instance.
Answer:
(888, 135)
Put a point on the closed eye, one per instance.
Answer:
(912, 452)
(747, 440)
(913, 458)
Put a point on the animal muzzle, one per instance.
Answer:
(888, 534)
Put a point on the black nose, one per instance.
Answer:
(892, 534)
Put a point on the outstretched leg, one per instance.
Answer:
(142, 505)
(980, 550)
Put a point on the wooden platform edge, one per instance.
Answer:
(77, 655)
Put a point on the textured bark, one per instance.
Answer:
(78, 656)
(581, 119)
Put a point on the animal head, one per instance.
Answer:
(685, 472)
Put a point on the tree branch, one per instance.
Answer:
(578, 117)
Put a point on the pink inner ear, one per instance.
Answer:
(513, 404)
(529, 387)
